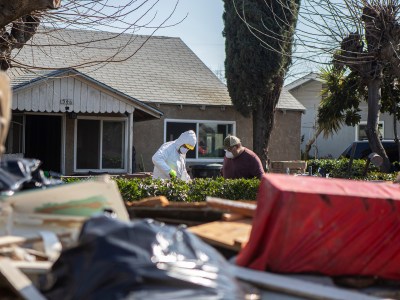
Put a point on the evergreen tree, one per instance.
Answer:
(259, 37)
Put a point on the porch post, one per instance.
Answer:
(130, 142)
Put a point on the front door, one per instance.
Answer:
(43, 140)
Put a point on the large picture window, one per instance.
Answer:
(210, 136)
(100, 144)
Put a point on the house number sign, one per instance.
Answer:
(66, 102)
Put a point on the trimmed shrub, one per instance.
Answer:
(339, 169)
(196, 190)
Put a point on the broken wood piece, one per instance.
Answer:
(246, 208)
(150, 202)
(229, 235)
(228, 217)
(11, 240)
(33, 267)
(18, 281)
(177, 204)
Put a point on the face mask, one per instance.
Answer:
(183, 150)
(228, 154)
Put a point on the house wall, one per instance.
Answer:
(309, 94)
(284, 142)
(149, 135)
(285, 137)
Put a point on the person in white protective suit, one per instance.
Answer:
(170, 159)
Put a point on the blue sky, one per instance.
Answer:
(201, 30)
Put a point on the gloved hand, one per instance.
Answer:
(172, 174)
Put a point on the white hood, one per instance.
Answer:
(188, 137)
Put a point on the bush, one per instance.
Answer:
(196, 190)
(339, 169)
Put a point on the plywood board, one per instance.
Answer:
(19, 282)
(230, 235)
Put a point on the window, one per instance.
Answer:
(210, 136)
(361, 133)
(100, 144)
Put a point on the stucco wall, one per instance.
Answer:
(149, 135)
(285, 137)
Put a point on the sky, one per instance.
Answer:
(201, 30)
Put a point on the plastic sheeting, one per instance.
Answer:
(140, 260)
(333, 227)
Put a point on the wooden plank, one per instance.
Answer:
(228, 235)
(229, 217)
(150, 202)
(198, 205)
(32, 267)
(195, 214)
(18, 281)
(11, 240)
(297, 287)
(246, 208)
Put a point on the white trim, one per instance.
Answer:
(126, 150)
(63, 141)
(298, 82)
(130, 142)
(220, 122)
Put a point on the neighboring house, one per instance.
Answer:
(307, 90)
(285, 139)
(112, 117)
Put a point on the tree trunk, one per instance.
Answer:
(311, 142)
(374, 97)
(396, 137)
(263, 121)
(15, 9)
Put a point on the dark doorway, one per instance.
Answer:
(43, 140)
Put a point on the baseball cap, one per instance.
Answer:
(230, 141)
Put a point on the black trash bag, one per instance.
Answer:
(22, 174)
(140, 260)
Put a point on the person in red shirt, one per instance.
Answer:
(240, 162)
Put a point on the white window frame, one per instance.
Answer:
(365, 123)
(220, 122)
(126, 142)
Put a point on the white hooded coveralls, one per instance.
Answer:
(168, 157)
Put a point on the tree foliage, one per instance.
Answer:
(341, 100)
(256, 68)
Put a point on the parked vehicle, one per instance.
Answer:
(363, 150)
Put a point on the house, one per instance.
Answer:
(308, 91)
(80, 113)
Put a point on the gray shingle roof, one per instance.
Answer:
(163, 70)
(288, 102)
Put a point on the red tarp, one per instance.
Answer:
(327, 226)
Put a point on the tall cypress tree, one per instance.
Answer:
(258, 42)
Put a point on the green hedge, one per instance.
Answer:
(196, 190)
(234, 189)
(134, 189)
(339, 169)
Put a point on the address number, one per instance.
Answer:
(66, 101)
